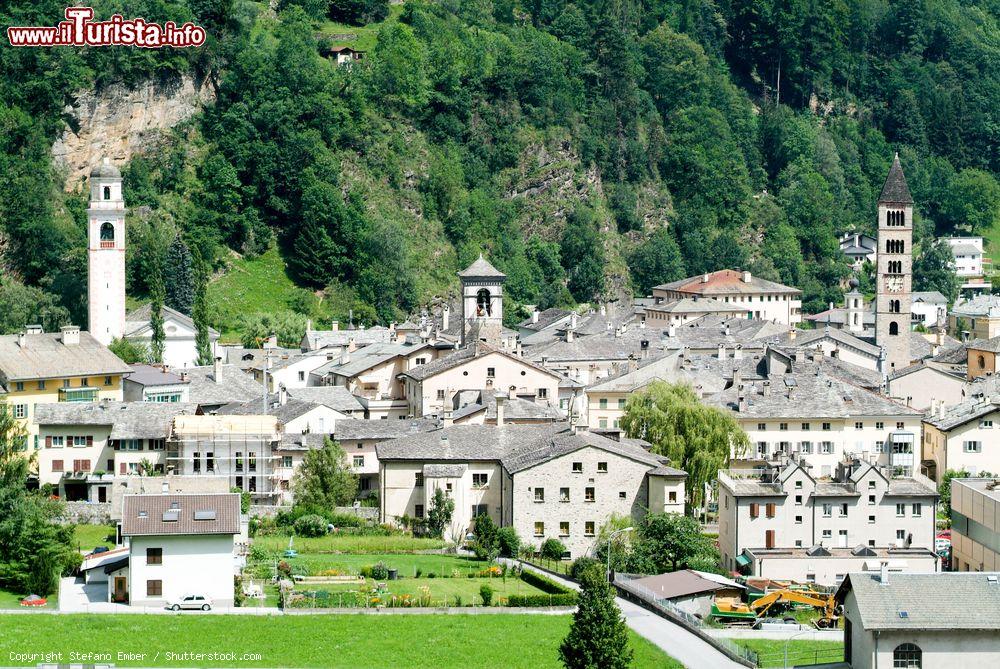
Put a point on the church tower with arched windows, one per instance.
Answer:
(893, 293)
(106, 254)
(482, 302)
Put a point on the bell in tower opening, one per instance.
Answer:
(482, 302)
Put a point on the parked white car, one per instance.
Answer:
(191, 602)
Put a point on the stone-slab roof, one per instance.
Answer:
(150, 376)
(233, 385)
(150, 515)
(128, 420)
(960, 601)
(894, 189)
(355, 429)
(481, 268)
(464, 355)
(45, 356)
(337, 398)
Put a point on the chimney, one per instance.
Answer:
(282, 395)
(512, 393)
(501, 401)
(738, 352)
(791, 335)
(445, 317)
(671, 330)
(70, 335)
(165, 488)
(346, 357)
(352, 346)
(334, 325)
(447, 420)
(766, 387)
(722, 352)
(705, 277)
(569, 335)
(22, 339)
(642, 324)
(633, 364)
(217, 369)
(184, 376)
(618, 332)
(737, 379)
(940, 410)
(572, 320)
(883, 572)
(534, 315)
(608, 326)
(747, 277)
(272, 341)
(309, 325)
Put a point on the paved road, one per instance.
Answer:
(687, 648)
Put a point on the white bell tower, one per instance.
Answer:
(482, 302)
(106, 254)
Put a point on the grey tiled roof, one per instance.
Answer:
(804, 338)
(958, 601)
(337, 398)
(144, 515)
(463, 355)
(980, 305)
(991, 345)
(962, 413)
(514, 409)
(966, 249)
(546, 318)
(44, 356)
(149, 376)
(301, 442)
(895, 189)
(233, 386)
(930, 296)
(285, 413)
(317, 339)
(689, 305)
(444, 471)
(374, 354)
(129, 420)
(254, 357)
(354, 429)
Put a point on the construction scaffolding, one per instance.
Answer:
(239, 449)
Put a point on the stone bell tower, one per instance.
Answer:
(482, 302)
(106, 254)
(894, 285)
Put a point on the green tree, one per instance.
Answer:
(675, 541)
(398, 71)
(130, 352)
(179, 277)
(324, 480)
(656, 261)
(199, 314)
(439, 514)
(158, 293)
(287, 325)
(22, 305)
(487, 543)
(598, 636)
(358, 12)
(699, 438)
(582, 254)
(933, 270)
(972, 202)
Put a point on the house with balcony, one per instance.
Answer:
(546, 481)
(48, 367)
(785, 522)
(85, 446)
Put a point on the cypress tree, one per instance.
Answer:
(598, 637)
(156, 314)
(180, 279)
(199, 313)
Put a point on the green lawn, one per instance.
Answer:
(347, 543)
(771, 652)
(466, 642)
(314, 564)
(12, 600)
(364, 36)
(86, 537)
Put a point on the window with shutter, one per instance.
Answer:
(754, 510)
(122, 468)
(770, 510)
(90, 440)
(769, 539)
(48, 442)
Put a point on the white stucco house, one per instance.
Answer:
(921, 621)
(178, 545)
(179, 349)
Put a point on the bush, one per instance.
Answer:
(486, 592)
(509, 541)
(310, 526)
(431, 574)
(418, 572)
(379, 571)
(562, 599)
(544, 584)
(580, 565)
(553, 549)
(366, 571)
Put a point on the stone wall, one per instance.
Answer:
(86, 513)
(270, 511)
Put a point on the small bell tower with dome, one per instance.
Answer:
(482, 302)
(106, 254)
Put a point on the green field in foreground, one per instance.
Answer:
(466, 642)
(771, 652)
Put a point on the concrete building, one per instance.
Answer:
(545, 481)
(67, 366)
(86, 445)
(106, 254)
(178, 545)
(975, 524)
(759, 298)
(179, 330)
(894, 269)
(858, 248)
(237, 449)
(149, 383)
(962, 437)
(805, 410)
(782, 522)
(977, 318)
(920, 621)
(478, 366)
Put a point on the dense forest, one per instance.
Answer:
(591, 149)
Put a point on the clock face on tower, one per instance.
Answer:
(894, 284)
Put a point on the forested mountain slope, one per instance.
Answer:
(591, 149)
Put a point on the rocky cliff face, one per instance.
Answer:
(118, 122)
